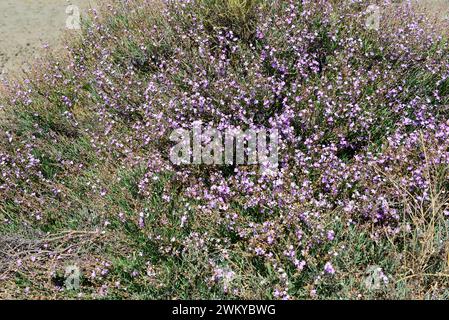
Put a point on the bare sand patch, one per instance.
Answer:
(26, 26)
(438, 7)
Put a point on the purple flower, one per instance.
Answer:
(328, 268)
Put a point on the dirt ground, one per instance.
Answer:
(27, 25)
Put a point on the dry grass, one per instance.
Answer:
(40, 257)
(424, 248)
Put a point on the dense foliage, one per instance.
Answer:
(362, 180)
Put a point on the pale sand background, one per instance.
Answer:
(25, 25)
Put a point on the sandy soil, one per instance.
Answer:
(27, 25)
(440, 7)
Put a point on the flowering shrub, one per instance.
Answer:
(362, 118)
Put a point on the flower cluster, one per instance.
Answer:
(361, 114)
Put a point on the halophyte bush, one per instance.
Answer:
(363, 130)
